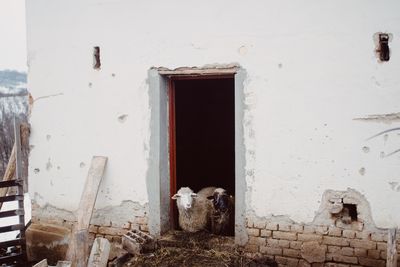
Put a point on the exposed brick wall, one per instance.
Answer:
(317, 245)
(114, 234)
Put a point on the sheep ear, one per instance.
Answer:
(175, 196)
(193, 195)
(210, 197)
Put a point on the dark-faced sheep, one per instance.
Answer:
(194, 209)
(222, 217)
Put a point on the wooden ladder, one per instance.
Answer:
(14, 258)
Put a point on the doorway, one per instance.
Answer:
(159, 172)
(202, 134)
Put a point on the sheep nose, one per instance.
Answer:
(188, 206)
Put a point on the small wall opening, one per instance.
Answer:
(96, 58)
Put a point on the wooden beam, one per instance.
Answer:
(78, 248)
(391, 260)
(100, 252)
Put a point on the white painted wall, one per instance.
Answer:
(311, 70)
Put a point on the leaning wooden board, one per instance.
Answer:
(78, 247)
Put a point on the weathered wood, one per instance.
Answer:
(78, 248)
(42, 263)
(81, 247)
(9, 174)
(63, 264)
(89, 195)
(100, 252)
(391, 260)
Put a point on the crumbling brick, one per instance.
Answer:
(284, 227)
(309, 237)
(334, 231)
(345, 259)
(265, 233)
(271, 250)
(284, 235)
(362, 244)
(373, 254)
(295, 244)
(371, 262)
(335, 241)
(271, 226)
(253, 232)
(294, 253)
(349, 233)
(347, 251)
(360, 252)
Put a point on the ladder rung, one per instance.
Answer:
(10, 213)
(11, 243)
(12, 258)
(11, 198)
(10, 183)
(11, 228)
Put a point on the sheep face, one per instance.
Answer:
(185, 197)
(220, 200)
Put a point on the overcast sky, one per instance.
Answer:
(12, 35)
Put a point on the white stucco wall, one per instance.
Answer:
(311, 71)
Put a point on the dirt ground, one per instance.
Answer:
(199, 249)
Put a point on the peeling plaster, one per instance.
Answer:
(115, 216)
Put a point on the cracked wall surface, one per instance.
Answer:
(305, 83)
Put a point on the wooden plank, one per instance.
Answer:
(78, 248)
(89, 195)
(63, 264)
(10, 183)
(10, 213)
(9, 173)
(100, 252)
(11, 258)
(81, 247)
(42, 263)
(11, 243)
(10, 228)
(391, 260)
(11, 198)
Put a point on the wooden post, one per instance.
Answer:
(391, 248)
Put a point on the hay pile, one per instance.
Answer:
(199, 249)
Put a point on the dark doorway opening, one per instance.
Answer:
(202, 133)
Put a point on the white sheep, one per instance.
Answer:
(194, 209)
